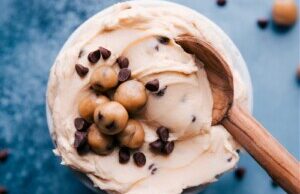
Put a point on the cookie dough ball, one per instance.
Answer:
(133, 135)
(111, 118)
(104, 78)
(131, 94)
(285, 12)
(100, 143)
(88, 104)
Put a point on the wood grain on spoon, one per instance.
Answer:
(264, 148)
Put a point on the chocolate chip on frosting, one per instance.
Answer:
(157, 146)
(80, 139)
(162, 91)
(105, 53)
(163, 133)
(94, 56)
(124, 74)
(193, 118)
(81, 70)
(139, 159)
(153, 85)
(124, 155)
(163, 40)
(81, 124)
(123, 62)
(168, 147)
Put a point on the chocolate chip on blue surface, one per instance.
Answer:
(221, 2)
(123, 62)
(163, 40)
(168, 148)
(274, 184)
(163, 133)
(80, 139)
(240, 173)
(139, 159)
(105, 53)
(262, 23)
(157, 146)
(162, 91)
(81, 124)
(3, 190)
(94, 56)
(124, 75)
(124, 155)
(4, 155)
(81, 70)
(152, 85)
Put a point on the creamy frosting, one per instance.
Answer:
(202, 152)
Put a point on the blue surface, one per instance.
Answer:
(33, 31)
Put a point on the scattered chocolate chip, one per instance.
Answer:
(194, 118)
(153, 171)
(229, 159)
(105, 53)
(112, 125)
(139, 159)
(150, 166)
(80, 139)
(124, 74)
(81, 70)
(157, 145)
(221, 2)
(123, 62)
(4, 155)
(81, 124)
(274, 184)
(124, 155)
(153, 85)
(298, 73)
(262, 23)
(168, 148)
(163, 133)
(94, 56)
(156, 48)
(3, 190)
(240, 173)
(162, 91)
(163, 40)
(80, 53)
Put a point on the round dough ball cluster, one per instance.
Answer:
(106, 106)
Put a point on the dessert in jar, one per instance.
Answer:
(131, 111)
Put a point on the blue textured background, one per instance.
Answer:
(33, 31)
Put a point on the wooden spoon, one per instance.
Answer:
(265, 149)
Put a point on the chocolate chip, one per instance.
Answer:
(163, 40)
(153, 171)
(94, 56)
(163, 133)
(153, 85)
(298, 73)
(240, 173)
(156, 48)
(139, 159)
(238, 150)
(124, 155)
(83, 149)
(168, 148)
(262, 23)
(221, 2)
(81, 124)
(100, 116)
(4, 155)
(157, 145)
(123, 62)
(3, 190)
(162, 91)
(80, 139)
(105, 53)
(81, 70)
(274, 184)
(229, 159)
(80, 53)
(124, 74)
(194, 118)
(112, 125)
(150, 166)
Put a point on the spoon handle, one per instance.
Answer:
(264, 148)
